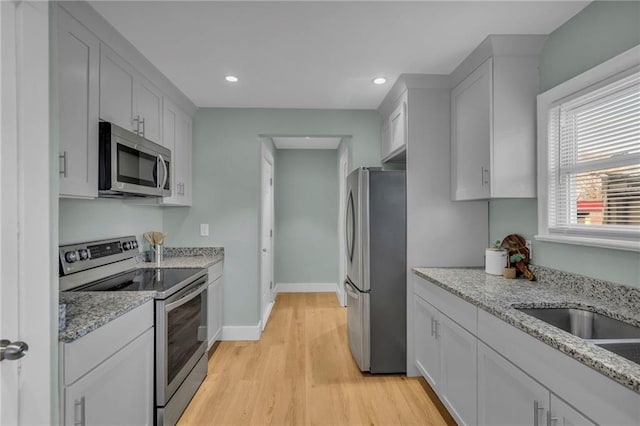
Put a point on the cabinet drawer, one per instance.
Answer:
(88, 351)
(460, 311)
(215, 272)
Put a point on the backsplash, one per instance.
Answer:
(626, 297)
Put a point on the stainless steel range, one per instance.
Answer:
(180, 312)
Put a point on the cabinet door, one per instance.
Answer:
(77, 62)
(562, 414)
(117, 392)
(117, 82)
(471, 115)
(458, 370)
(398, 127)
(506, 395)
(170, 136)
(426, 347)
(148, 110)
(214, 311)
(385, 140)
(184, 159)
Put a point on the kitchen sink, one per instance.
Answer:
(626, 349)
(585, 324)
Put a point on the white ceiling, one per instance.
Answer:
(302, 54)
(307, 142)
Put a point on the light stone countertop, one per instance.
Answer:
(88, 310)
(498, 296)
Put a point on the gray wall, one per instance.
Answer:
(306, 216)
(226, 182)
(85, 220)
(599, 32)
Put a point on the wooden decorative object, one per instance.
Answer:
(515, 244)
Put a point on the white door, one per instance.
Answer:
(266, 238)
(426, 346)
(117, 82)
(343, 170)
(149, 107)
(28, 213)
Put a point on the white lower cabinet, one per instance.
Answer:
(489, 373)
(445, 354)
(106, 376)
(457, 370)
(562, 414)
(427, 350)
(117, 392)
(507, 396)
(215, 294)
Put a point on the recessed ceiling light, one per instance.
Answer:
(379, 80)
(231, 78)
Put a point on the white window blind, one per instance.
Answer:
(594, 162)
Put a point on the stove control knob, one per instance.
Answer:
(126, 245)
(135, 244)
(71, 256)
(83, 254)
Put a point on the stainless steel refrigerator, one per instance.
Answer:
(376, 281)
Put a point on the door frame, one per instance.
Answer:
(265, 308)
(343, 172)
(29, 211)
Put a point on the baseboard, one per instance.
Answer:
(306, 288)
(267, 314)
(241, 332)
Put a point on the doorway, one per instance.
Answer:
(266, 234)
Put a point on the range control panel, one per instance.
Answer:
(83, 256)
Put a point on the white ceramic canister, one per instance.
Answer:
(494, 261)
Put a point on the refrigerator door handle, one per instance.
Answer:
(350, 290)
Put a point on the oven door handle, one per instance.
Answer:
(188, 297)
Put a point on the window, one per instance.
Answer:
(589, 157)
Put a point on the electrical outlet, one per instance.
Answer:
(528, 245)
(204, 229)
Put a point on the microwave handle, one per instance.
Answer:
(166, 172)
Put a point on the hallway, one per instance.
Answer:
(301, 373)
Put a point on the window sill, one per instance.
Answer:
(591, 242)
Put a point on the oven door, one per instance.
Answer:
(181, 337)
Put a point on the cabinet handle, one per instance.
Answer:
(137, 121)
(432, 327)
(551, 421)
(63, 156)
(143, 126)
(537, 409)
(437, 329)
(485, 176)
(78, 415)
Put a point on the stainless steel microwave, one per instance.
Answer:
(130, 165)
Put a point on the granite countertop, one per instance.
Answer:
(498, 296)
(88, 310)
(188, 257)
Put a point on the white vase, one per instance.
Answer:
(494, 261)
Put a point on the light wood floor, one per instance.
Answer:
(301, 373)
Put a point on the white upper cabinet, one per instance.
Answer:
(77, 60)
(117, 82)
(471, 134)
(493, 120)
(394, 131)
(148, 110)
(127, 98)
(177, 137)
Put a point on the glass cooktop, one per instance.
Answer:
(163, 281)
